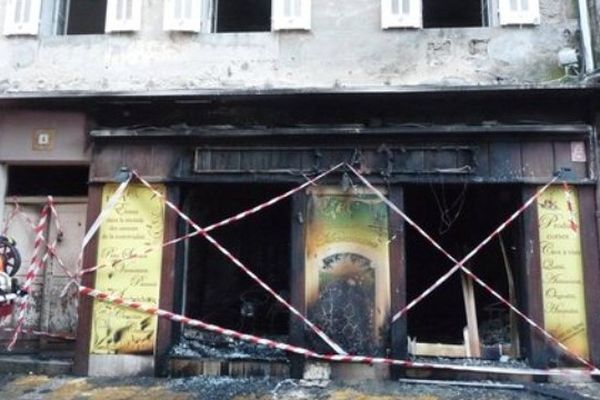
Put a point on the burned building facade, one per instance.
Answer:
(458, 114)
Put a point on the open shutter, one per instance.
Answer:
(22, 17)
(519, 12)
(401, 14)
(291, 14)
(182, 15)
(123, 15)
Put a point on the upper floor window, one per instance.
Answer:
(236, 15)
(79, 17)
(453, 13)
(458, 13)
(71, 17)
(242, 15)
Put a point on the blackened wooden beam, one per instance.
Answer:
(531, 278)
(398, 329)
(591, 269)
(84, 323)
(353, 130)
(297, 280)
(165, 328)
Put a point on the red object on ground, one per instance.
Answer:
(5, 310)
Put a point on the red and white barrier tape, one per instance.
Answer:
(459, 265)
(153, 310)
(572, 221)
(35, 265)
(55, 219)
(106, 210)
(245, 269)
(50, 248)
(49, 252)
(226, 221)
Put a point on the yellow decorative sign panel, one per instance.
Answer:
(562, 270)
(135, 224)
(348, 269)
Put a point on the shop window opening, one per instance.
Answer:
(217, 291)
(459, 217)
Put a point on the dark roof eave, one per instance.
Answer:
(209, 93)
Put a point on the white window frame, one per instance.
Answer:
(174, 18)
(22, 17)
(291, 15)
(512, 12)
(117, 19)
(401, 14)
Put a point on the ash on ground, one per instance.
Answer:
(221, 388)
(195, 343)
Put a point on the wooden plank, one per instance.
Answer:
(436, 350)
(512, 297)
(505, 160)
(106, 160)
(227, 160)
(482, 160)
(467, 342)
(440, 159)
(409, 160)
(138, 157)
(254, 160)
(397, 279)
(164, 331)
(333, 157)
(182, 367)
(532, 283)
(591, 272)
(164, 160)
(471, 313)
(537, 159)
(84, 324)
(562, 159)
(348, 131)
(297, 280)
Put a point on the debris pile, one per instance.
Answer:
(196, 343)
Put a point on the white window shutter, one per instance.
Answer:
(519, 12)
(22, 17)
(123, 15)
(182, 15)
(401, 14)
(291, 14)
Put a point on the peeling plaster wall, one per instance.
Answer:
(345, 48)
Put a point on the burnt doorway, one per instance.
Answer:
(459, 217)
(217, 291)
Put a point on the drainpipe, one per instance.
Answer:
(586, 36)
